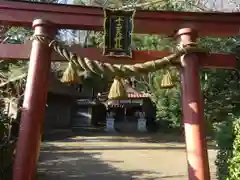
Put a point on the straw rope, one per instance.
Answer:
(85, 64)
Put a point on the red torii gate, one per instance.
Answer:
(185, 25)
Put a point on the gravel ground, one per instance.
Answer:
(114, 158)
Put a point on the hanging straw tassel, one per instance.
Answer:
(71, 75)
(117, 90)
(167, 81)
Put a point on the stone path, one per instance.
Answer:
(113, 158)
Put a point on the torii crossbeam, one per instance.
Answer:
(185, 25)
(91, 18)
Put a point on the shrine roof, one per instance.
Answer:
(133, 93)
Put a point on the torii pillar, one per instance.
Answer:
(193, 112)
(34, 105)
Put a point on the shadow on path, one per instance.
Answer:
(121, 137)
(91, 156)
(101, 148)
(58, 164)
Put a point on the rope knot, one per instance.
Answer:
(182, 48)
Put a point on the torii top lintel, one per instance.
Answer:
(146, 22)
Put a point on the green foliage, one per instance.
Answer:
(167, 100)
(234, 162)
(228, 143)
(168, 107)
(220, 87)
(19, 35)
(224, 140)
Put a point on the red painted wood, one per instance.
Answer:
(22, 51)
(193, 112)
(33, 110)
(146, 22)
(218, 61)
(196, 149)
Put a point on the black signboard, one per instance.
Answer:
(118, 28)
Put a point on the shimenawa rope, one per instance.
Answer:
(85, 64)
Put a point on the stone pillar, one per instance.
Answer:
(110, 126)
(142, 122)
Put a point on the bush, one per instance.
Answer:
(234, 162)
(228, 156)
(224, 140)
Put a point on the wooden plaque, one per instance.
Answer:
(118, 28)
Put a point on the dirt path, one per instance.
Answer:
(111, 158)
